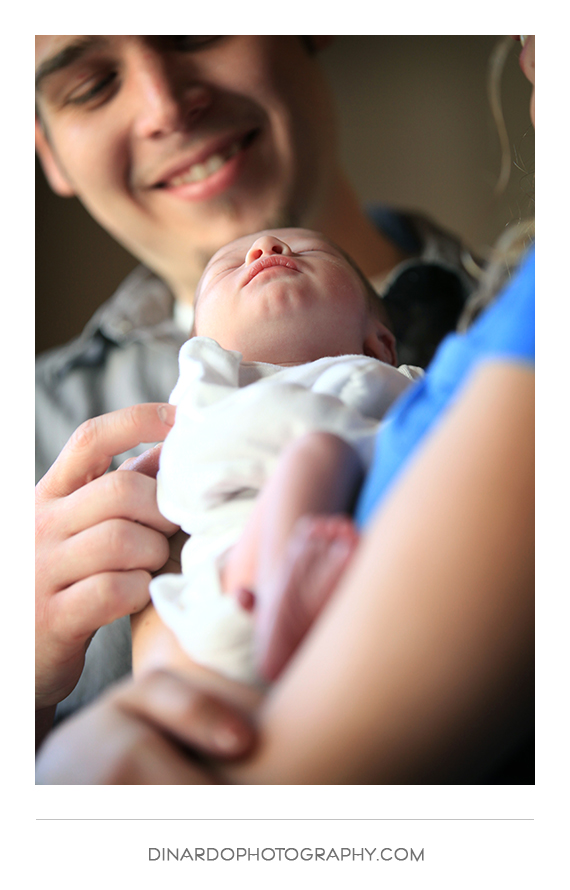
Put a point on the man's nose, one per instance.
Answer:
(266, 245)
(165, 101)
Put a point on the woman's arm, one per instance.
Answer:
(421, 665)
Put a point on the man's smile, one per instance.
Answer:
(206, 162)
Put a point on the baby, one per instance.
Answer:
(289, 339)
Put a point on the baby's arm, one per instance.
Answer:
(292, 569)
(317, 475)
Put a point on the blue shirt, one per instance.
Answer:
(504, 330)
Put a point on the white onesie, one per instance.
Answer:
(233, 420)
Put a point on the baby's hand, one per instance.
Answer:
(317, 554)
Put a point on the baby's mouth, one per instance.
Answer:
(269, 262)
(200, 171)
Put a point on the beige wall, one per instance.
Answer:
(415, 131)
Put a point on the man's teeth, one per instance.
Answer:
(198, 172)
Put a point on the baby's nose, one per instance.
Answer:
(266, 245)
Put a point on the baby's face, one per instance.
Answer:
(283, 296)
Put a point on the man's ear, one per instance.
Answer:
(53, 173)
(380, 343)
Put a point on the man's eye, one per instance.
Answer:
(93, 90)
(189, 43)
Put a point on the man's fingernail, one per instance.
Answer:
(166, 414)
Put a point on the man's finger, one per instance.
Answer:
(113, 496)
(112, 545)
(91, 448)
(145, 463)
(106, 745)
(84, 607)
(194, 717)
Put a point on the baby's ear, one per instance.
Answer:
(380, 342)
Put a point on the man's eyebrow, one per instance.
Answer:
(66, 57)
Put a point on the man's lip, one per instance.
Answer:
(221, 145)
(266, 263)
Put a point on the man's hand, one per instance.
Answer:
(143, 733)
(99, 536)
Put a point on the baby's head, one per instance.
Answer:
(289, 296)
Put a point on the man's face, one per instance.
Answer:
(284, 296)
(177, 145)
